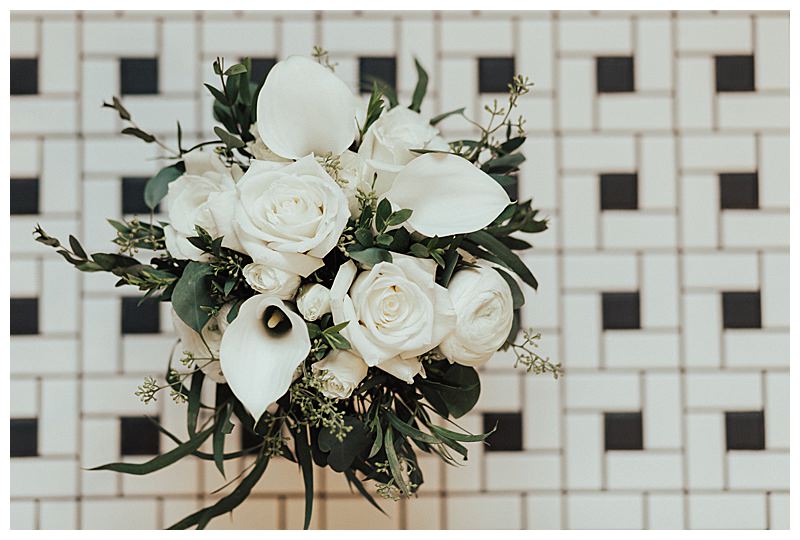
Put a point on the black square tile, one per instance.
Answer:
(623, 430)
(508, 437)
(24, 437)
(24, 316)
(133, 195)
(614, 74)
(248, 439)
(744, 430)
(621, 311)
(735, 73)
(738, 190)
(495, 74)
(260, 67)
(619, 191)
(24, 196)
(138, 436)
(24, 76)
(138, 76)
(383, 68)
(741, 309)
(140, 319)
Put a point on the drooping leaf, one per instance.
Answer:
(411, 431)
(507, 257)
(222, 427)
(156, 188)
(462, 437)
(394, 463)
(193, 409)
(161, 461)
(516, 293)
(303, 452)
(438, 118)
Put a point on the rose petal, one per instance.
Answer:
(303, 108)
(447, 194)
(260, 367)
(403, 368)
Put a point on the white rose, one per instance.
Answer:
(389, 140)
(395, 311)
(289, 216)
(341, 371)
(354, 177)
(268, 280)
(313, 301)
(204, 195)
(206, 354)
(485, 310)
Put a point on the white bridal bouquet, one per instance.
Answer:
(336, 276)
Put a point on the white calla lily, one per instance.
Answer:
(259, 364)
(448, 194)
(305, 109)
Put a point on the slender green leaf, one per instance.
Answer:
(222, 427)
(303, 451)
(218, 95)
(77, 248)
(193, 409)
(353, 480)
(410, 431)
(421, 88)
(394, 463)
(463, 437)
(159, 462)
(516, 293)
(504, 254)
(378, 444)
(139, 134)
(438, 118)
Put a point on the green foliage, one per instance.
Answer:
(192, 294)
(156, 188)
(421, 88)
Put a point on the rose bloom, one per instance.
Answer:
(289, 216)
(342, 371)
(396, 312)
(313, 301)
(192, 343)
(268, 280)
(485, 312)
(206, 196)
(389, 140)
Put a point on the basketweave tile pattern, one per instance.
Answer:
(659, 147)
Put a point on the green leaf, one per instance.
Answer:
(421, 88)
(161, 461)
(222, 427)
(157, 187)
(139, 134)
(218, 95)
(463, 437)
(384, 240)
(378, 444)
(371, 256)
(458, 387)
(112, 261)
(394, 463)
(504, 164)
(235, 69)
(411, 431)
(516, 293)
(505, 255)
(504, 179)
(191, 293)
(230, 501)
(364, 237)
(193, 409)
(116, 105)
(438, 118)
(383, 86)
(382, 214)
(337, 341)
(303, 452)
(512, 144)
(351, 478)
(76, 247)
(401, 216)
(336, 328)
(231, 141)
(341, 454)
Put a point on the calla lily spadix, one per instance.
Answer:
(448, 195)
(259, 354)
(303, 108)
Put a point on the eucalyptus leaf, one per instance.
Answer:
(156, 188)
(192, 293)
(341, 454)
(371, 256)
(139, 134)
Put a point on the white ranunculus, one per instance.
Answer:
(448, 195)
(303, 108)
(485, 310)
(395, 310)
(289, 216)
(313, 301)
(389, 140)
(268, 280)
(204, 195)
(342, 371)
(206, 354)
(260, 363)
